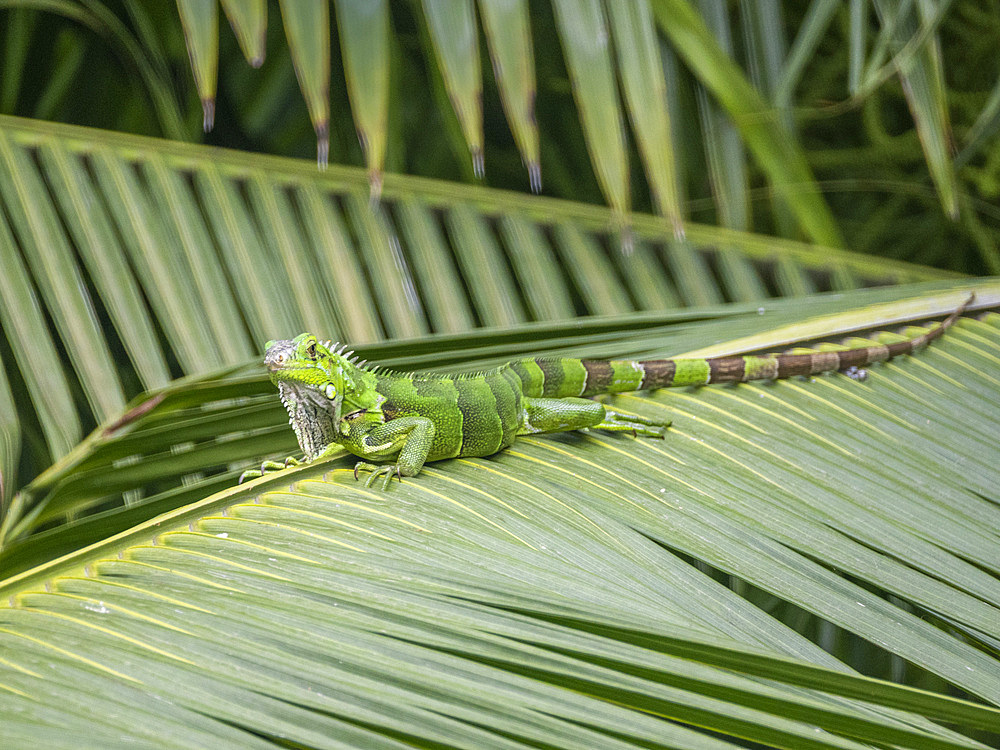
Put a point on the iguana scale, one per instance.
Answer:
(409, 418)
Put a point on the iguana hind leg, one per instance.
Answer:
(564, 414)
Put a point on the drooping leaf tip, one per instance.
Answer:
(208, 114)
(626, 240)
(535, 177)
(322, 145)
(677, 223)
(374, 187)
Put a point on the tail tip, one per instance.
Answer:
(968, 301)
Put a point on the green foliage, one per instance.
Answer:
(713, 590)
(885, 114)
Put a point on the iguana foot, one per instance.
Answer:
(618, 422)
(268, 467)
(377, 470)
(856, 373)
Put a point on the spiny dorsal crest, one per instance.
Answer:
(389, 373)
(341, 350)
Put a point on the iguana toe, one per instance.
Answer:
(378, 470)
(268, 467)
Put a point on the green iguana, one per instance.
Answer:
(408, 418)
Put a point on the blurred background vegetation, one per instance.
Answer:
(909, 171)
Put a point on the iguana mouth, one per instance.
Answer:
(277, 367)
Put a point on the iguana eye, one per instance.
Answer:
(280, 358)
(311, 350)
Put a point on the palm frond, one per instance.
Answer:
(548, 595)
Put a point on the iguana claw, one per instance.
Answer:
(249, 474)
(386, 470)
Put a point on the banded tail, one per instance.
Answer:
(559, 378)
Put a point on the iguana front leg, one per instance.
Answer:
(410, 437)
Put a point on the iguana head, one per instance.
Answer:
(305, 363)
(313, 379)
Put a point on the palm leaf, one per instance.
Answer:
(922, 77)
(547, 594)
(584, 33)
